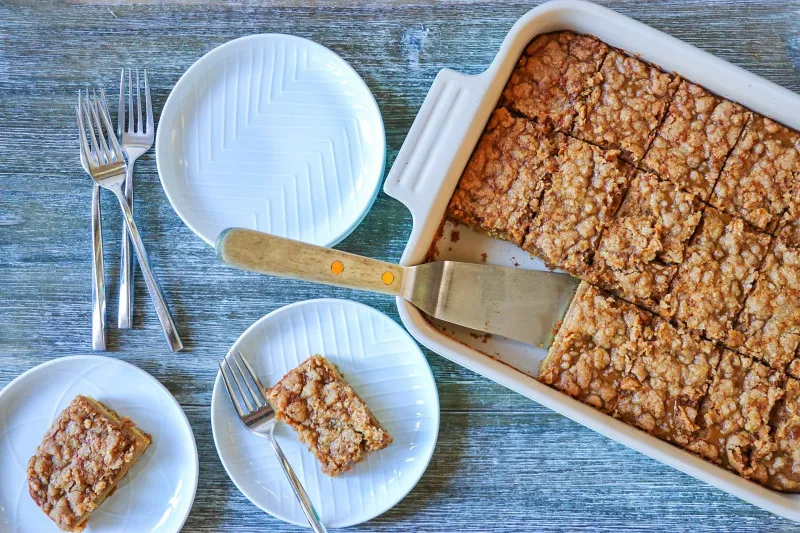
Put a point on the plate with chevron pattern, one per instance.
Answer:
(388, 371)
(275, 133)
(154, 497)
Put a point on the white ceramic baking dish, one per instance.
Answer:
(434, 154)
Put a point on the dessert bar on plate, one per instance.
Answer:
(662, 241)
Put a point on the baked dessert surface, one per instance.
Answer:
(83, 456)
(328, 416)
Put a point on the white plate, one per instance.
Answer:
(275, 133)
(385, 367)
(158, 492)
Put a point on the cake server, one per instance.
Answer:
(520, 304)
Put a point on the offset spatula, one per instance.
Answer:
(519, 304)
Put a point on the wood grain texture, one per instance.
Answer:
(502, 462)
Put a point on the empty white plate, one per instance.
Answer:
(275, 133)
(384, 366)
(158, 492)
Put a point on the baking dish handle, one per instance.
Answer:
(432, 145)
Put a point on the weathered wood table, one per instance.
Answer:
(502, 462)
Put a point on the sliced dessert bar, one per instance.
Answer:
(328, 416)
(734, 418)
(783, 463)
(643, 244)
(663, 392)
(599, 340)
(695, 138)
(551, 75)
(585, 192)
(768, 327)
(760, 177)
(624, 109)
(83, 456)
(720, 268)
(502, 185)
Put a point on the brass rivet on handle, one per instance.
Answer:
(387, 278)
(337, 267)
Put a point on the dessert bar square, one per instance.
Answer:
(691, 145)
(328, 416)
(624, 109)
(595, 347)
(768, 327)
(585, 192)
(83, 456)
(734, 418)
(720, 268)
(551, 75)
(502, 185)
(760, 177)
(782, 466)
(663, 392)
(640, 249)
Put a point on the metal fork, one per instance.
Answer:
(136, 138)
(107, 168)
(98, 270)
(259, 418)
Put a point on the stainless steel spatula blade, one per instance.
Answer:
(523, 305)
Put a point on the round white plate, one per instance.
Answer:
(384, 366)
(271, 132)
(157, 493)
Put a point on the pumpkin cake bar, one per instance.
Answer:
(83, 456)
(327, 414)
(550, 77)
(694, 140)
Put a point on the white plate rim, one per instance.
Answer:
(162, 147)
(315, 301)
(103, 358)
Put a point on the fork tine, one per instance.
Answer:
(82, 130)
(131, 125)
(109, 126)
(148, 105)
(100, 134)
(139, 125)
(230, 390)
(239, 385)
(258, 398)
(96, 156)
(261, 387)
(121, 108)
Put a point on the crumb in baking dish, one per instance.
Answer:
(768, 327)
(663, 392)
(585, 192)
(691, 145)
(551, 74)
(83, 456)
(502, 185)
(328, 416)
(720, 268)
(789, 226)
(624, 109)
(734, 418)
(783, 464)
(760, 178)
(599, 340)
(641, 248)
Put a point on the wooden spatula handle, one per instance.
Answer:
(251, 250)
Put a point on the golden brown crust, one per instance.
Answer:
(642, 245)
(83, 456)
(598, 342)
(623, 110)
(783, 464)
(328, 416)
(696, 136)
(551, 75)
(585, 192)
(503, 182)
(760, 178)
(720, 268)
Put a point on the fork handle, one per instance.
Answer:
(125, 309)
(98, 277)
(308, 508)
(160, 303)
